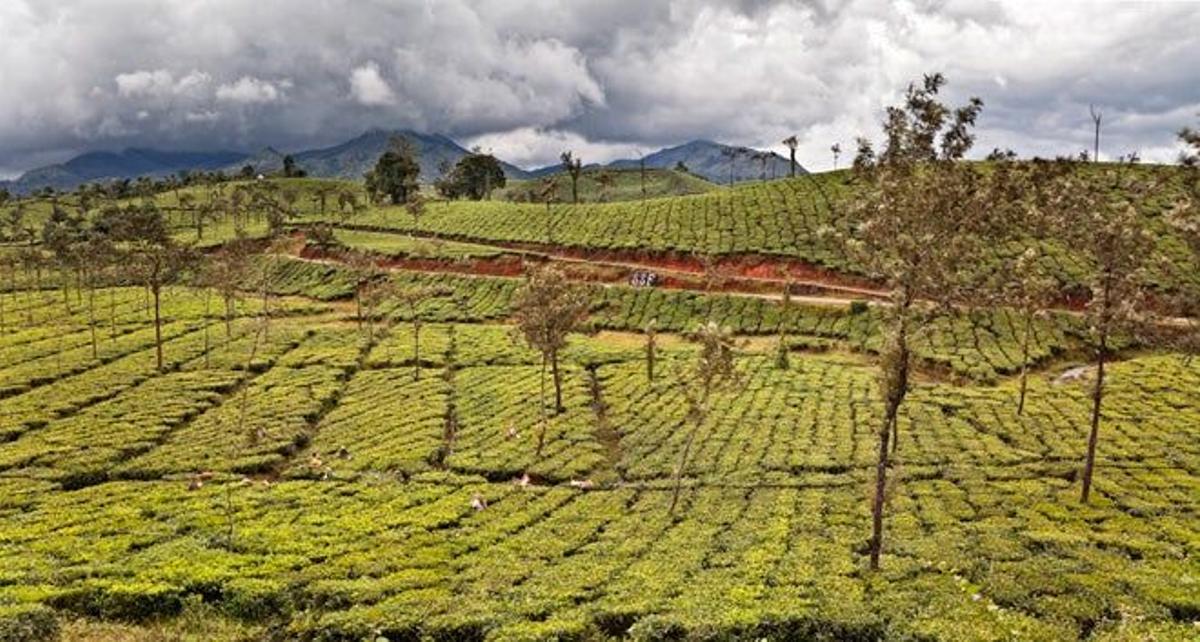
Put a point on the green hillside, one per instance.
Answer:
(626, 186)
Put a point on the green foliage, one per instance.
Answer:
(473, 177)
(395, 174)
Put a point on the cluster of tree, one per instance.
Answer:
(927, 226)
(474, 177)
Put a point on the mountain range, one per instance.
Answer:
(713, 161)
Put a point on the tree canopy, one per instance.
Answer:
(395, 174)
(474, 177)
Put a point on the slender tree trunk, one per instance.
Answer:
(558, 404)
(358, 306)
(416, 347)
(700, 415)
(542, 406)
(92, 317)
(158, 351)
(1025, 339)
(650, 356)
(207, 297)
(266, 312)
(1089, 465)
(889, 430)
(881, 466)
(112, 313)
(228, 317)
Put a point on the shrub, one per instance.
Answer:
(27, 623)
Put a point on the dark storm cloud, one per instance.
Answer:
(529, 77)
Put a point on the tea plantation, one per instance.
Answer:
(308, 479)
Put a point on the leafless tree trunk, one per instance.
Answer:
(158, 351)
(1097, 399)
(1026, 337)
(542, 407)
(558, 404)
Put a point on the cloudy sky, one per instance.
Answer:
(529, 78)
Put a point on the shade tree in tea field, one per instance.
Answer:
(1105, 222)
(546, 308)
(712, 369)
(917, 221)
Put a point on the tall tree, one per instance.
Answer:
(573, 165)
(791, 143)
(62, 235)
(364, 270)
(547, 307)
(396, 172)
(914, 232)
(1022, 193)
(142, 235)
(228, 271)
(1102, 219)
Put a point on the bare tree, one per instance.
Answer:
(547, 308)
(712, 370)
(548, 194)
(364, 270)
(412, 298)
(1096, 118)
(791, 142)
(574, 167)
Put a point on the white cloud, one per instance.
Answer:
(145, 83)
(249, 90)
(530, 147)
(160, 83)
(369, 88)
